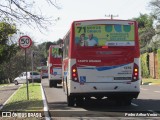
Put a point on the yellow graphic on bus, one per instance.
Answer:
(101, 35)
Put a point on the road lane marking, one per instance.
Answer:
(153, 112)
(134, 104)
(157, 91)
(10, 97)
(143, 89)
(45, 108)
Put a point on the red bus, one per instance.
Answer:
(54, 65)
(101, 58)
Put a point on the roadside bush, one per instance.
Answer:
(145, 65)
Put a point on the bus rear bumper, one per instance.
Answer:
(111, 95)
(58, 81)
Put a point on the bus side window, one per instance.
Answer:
(60, 51)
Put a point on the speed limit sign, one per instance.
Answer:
(25, 42)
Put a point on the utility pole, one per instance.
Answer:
(111, 15)
(32, 55)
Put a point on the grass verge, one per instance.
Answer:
(151, 80)
(19, 102)
(4, 84)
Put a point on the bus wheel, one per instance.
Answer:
(87, 99)
(127, 102)
(70, 100)
(50, 83)
(54, 84)
(79, 101)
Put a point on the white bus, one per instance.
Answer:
(101, 58)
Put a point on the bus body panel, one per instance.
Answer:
(104, 80)
(56, 74)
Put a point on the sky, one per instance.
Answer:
(71, 10)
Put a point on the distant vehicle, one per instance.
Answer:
(54, 66)
(44, 72)
(101, 58)
(22, 77)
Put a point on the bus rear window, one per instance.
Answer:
(105, 35)
(56, 53)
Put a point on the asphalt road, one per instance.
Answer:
(147, 104)
(6, 92)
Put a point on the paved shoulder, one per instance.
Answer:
(6, 92)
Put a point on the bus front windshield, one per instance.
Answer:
(105, 35)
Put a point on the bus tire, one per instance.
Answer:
(79, 101)
(50, 83)
(127, 102)
(70, 100)
(54, 83)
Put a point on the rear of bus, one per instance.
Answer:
(44, 72)
(54, 66)
(108, 66)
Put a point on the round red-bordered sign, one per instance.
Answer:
(25, 42)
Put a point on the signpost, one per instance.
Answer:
(25, 42)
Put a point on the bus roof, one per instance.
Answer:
(103, 20)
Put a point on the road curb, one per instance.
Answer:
(146, 83)
(10, 98)
(150, 83)
(154, 83)
(45, 109)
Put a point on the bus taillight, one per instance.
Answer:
(135, 73)
(74, 73)
(51, 70)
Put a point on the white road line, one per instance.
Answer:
(9, 98)
(154, 112)
(47, 117)
(157, 91)
(143, 89)
(134, 104)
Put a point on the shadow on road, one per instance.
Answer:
(103, 108)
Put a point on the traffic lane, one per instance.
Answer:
(53, 94)
(102, 108)
(58, 105)
(56, 98)
(6, 92)
(149, 92)
(149, 98)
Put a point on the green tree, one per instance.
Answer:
(146, 30)
(44, 47)
(6, 50)
(16, 64)
(155, 9)
(155, 13)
